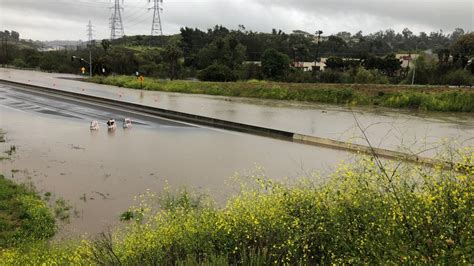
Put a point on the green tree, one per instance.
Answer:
(463, 49)
(425, 71)
(105, 45)
(15, 35)
(274, 64)
(226, 51)
(335, 62)
(391, 65)
(458, 78)
(172, 54)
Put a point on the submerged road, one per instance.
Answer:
(13, 97)
(100, 173)
(162, 114)
(403, 130)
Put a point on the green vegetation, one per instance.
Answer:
(217, 72)
(421, 98)
(11, 151)
(274, 64)
(220, 54)
(365, 213)
(24, 217)
(62, 209)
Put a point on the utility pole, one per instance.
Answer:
(318, 32)
(414, 68)
(5, 50)
(156, 28)
(116, 24)
(90, 37)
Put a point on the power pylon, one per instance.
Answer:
(90, 38)
(156, 28)
(116, 24)
(89, 33)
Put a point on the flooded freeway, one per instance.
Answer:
(99, 173)
(405, 130)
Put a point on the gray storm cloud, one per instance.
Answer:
(66, 19)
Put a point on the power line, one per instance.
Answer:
(138, 21)
(156, 28)
(136, 15)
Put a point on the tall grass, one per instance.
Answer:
(447, 101)
(364, 214)
(427, 99)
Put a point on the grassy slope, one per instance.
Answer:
(24, 217)
(420, 97)
(360, 216)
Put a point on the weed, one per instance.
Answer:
(364, 214)
(126, 216)
(83, 197)
(62, 209)
(11, 150)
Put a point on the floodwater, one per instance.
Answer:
(99, 173)
(58, 153)
(405, 130)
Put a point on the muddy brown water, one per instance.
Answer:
(57, 152)
(60, 155)
(395, 129)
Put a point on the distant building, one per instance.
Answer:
(407, 59)
(302, 33)
(310, 66)
(305, 66)
(355, 39)
(321, 39)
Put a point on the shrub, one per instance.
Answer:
(334, 76)
(274, 64)
(249, 71)
(18, 62)
(24, 216)
(217, 72)
(364, 76)
(366, 213)
(458, 78)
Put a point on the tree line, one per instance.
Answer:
(221, 54)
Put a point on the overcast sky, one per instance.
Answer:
(67, 19)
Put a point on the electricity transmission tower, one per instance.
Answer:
(116, 24)
(156, 28)
(90, 37)
(89, 32)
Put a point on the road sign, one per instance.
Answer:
(141, 78)
(83, 70)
